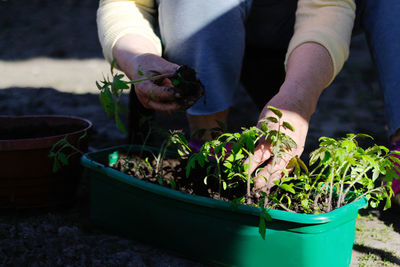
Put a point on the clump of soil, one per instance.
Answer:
(187, 86)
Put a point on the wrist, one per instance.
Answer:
(128, 48)
(298, 98)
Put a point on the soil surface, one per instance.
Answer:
(49, 61)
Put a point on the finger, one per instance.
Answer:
(162, 67)
(266, 176)
(262, 153)
(156, 93)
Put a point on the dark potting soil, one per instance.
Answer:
(36, 130)
(172, 174)
(187, 86)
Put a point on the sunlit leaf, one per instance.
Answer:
(287, 125)
(276, 111)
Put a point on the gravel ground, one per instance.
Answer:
(49, 60)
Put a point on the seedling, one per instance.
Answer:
(63, 150)
(186, 86)
(339, 171)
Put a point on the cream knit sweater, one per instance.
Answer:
(326, 22)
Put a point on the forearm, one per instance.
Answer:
(309, 70)
(128, 47)
(328, 23)
(116, 19)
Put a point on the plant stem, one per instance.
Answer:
(316, 180)
(354, 182)
(219, 176)
(331, 189)
(319, 195)
(248, 180)
(285, 208)
(339, 203)
(151, 78)
(366, 193)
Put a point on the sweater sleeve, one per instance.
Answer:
(328, 23)
(116, 18)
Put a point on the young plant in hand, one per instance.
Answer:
(184, 80)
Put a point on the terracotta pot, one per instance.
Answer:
(27, 178)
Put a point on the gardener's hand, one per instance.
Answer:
(295, 116)
(136, 55)
(309, 71)
(154, 94)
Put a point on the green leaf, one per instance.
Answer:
(119, 123)
(364, 136)
(172, 183)
(249, 144)
(107, 101)
(272, 119)
(228, 165)
(113, 63)
(276, 111)
(121, 107)
(348, 145)
(304, 203)
(200, 160)
(292, 163)
(56, 166)
(394, 159)
(119, 84)
(62, 158)
(288, 188)
(375, 174)
(288, 126)
(388, 203)
(264, 127)
(139, 71)
(175, 82)
(99, 86)
(302, 165)
(83, 135)
(190, 165)
(224, 185)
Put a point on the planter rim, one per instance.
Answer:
(88, 160)
(40, 142)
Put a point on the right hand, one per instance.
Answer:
(157, 95)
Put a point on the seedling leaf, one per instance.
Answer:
(119, 123)
(288, 126)
(139, 71)
(272, 119)
(276, 111)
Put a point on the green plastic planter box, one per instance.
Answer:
(212, 231)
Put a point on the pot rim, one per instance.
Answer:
(89, 160)
(41, 142)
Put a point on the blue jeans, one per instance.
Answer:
(380, 20)
(212, 36)
(234, 42)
